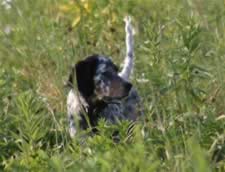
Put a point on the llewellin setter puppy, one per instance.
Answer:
(102, 91)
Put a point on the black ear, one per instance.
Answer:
(85, 71)
(70, 81)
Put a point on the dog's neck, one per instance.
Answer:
(93, 105)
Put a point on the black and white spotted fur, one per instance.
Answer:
(102, 91)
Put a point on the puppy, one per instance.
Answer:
(102, 91)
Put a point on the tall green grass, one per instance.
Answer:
(179, 72)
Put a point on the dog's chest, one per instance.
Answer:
(126, 109)
(113, 112)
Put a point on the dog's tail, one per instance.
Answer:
(129, 60)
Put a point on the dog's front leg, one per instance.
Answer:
(129, 60)
(72, 110)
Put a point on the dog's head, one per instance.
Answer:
(98, 76)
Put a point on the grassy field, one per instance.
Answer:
(179, 72)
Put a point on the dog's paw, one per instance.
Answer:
(72, 132)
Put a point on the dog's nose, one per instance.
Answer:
(128, 86)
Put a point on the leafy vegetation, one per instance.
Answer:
(179, 72)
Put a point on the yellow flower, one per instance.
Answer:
(87, 7)
(65, 8)
(76, 21)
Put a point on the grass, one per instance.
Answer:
(179, 72)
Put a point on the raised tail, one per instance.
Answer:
(129, 59)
